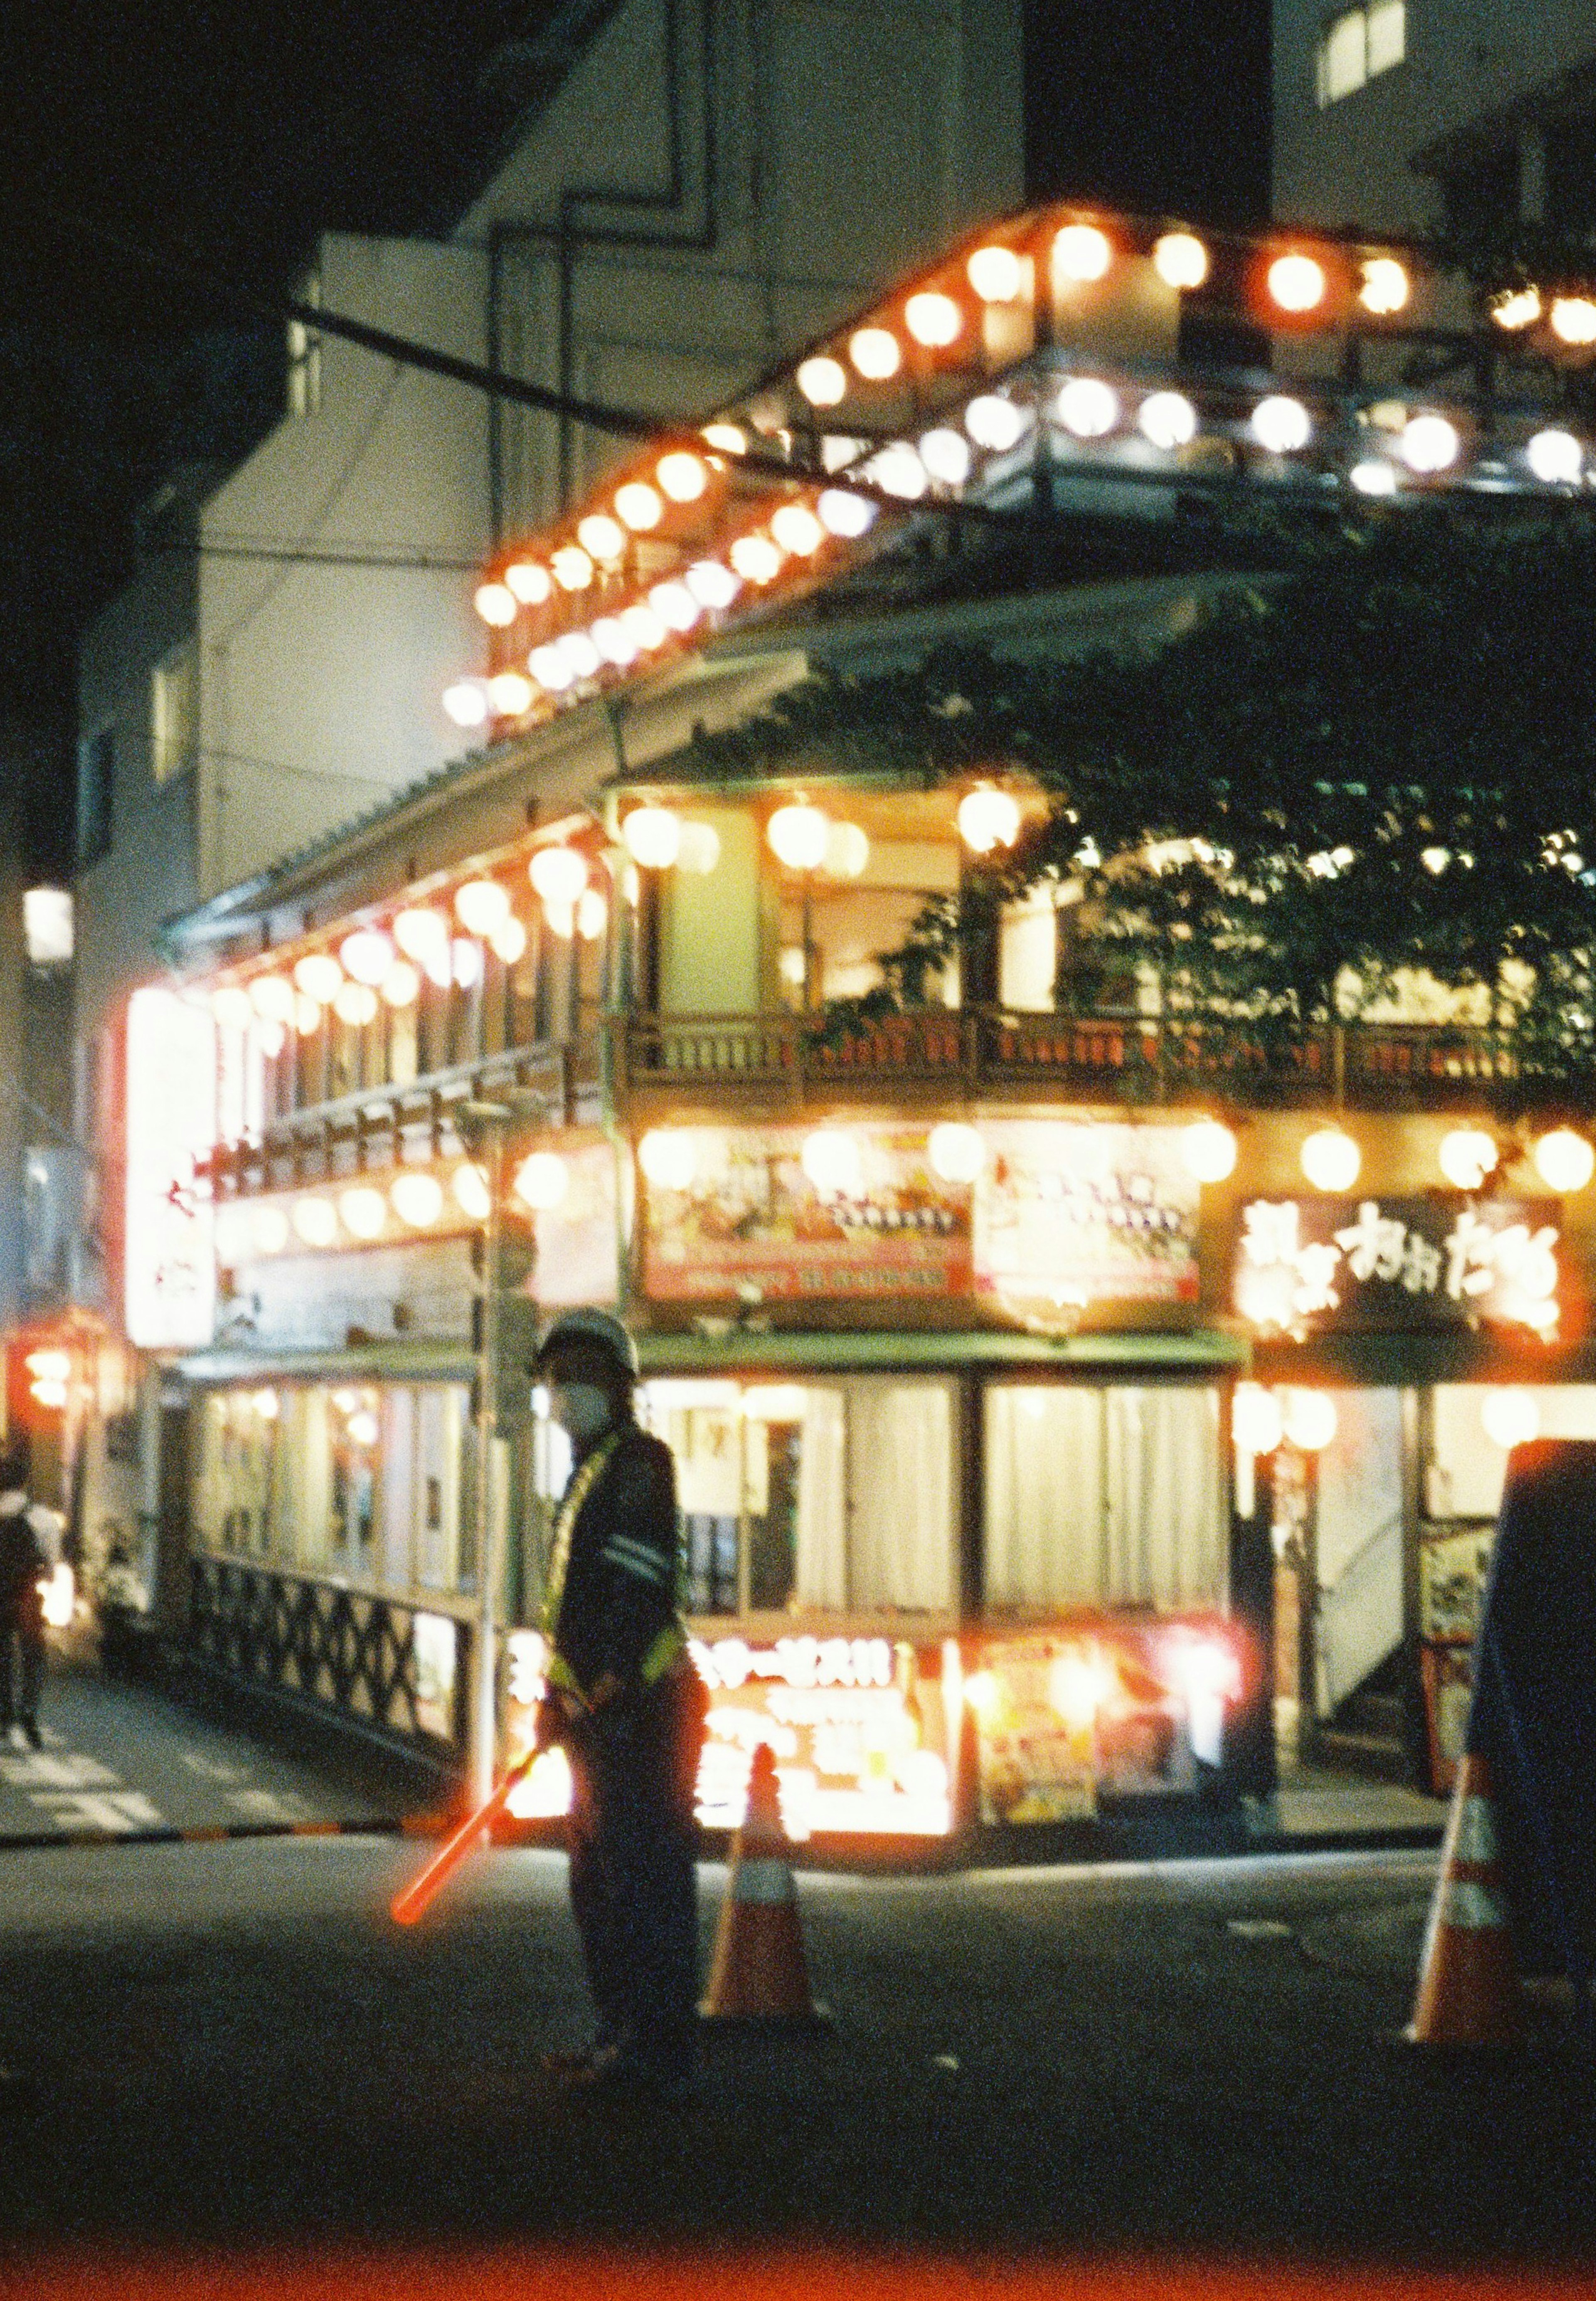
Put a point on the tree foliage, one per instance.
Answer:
(1384, 763)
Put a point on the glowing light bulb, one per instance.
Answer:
(669, 1157)
(272, 997)
(988, 818)
(401, 986)
(995, 423)
(652, 836)
(1566, 1160)
(558, 873)
(1516, 308)
(232, 1006)
(465, 963)
(956, 1151)
(1257, 1423)
(542, 1181)
(675, 605)
(1168, 419)
(946, 455)
(508, 943)
(1180, 260)
(1556, 458)
(642, 627)
(316, 1221)
(367, 955)
(1467, 1156)
(1373, 477)
(600, 536)
(613, 641)
(1573, 319)
(1088, 407)
(1429, 443)
(472, 1194)
(466, 702)
(268, 1230)
(843, 513)
(319, 975)
(417, 1200)
(876, 353)
(592, 914)
(683, 475)
(363, 1211)
(1385, 287)
(700, 849)
(832, 1164)
(573, 568)
(995, 274)
(756, 559)
(1511, 1417)
(1082, 253)
(823, 380)
(847, 850)
(511, 693)
(1282, 424)
(933, 320)
(798, 836)
(1330, 1160)
(712, 585)
(1297, 282)
(898, 471)
(1309, 1420)
(480, 904)
(578, 653)
(1208, 1150)
(639, 506)
(550, 669)
(497, 604)
(355, 1004)
(797, 530)
(531, 584)
(423, 937)
(729, 439)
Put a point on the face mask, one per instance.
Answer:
(581, 1409)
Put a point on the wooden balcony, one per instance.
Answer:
(937, 1052)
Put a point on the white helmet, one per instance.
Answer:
(593, 1330)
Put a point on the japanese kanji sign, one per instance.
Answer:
(1307, 1264)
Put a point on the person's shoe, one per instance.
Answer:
(31, 1733)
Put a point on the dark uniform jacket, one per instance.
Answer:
(612, 1585)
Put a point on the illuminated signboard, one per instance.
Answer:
(1312, 1265)
(857, 1727)
(169, 1300)
(1076, 1214)
(862, 1214)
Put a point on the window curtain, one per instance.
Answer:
(821, 1577)
(901, 1449)
(1163, 1522)
(1044, 1485)
(1103, 1496)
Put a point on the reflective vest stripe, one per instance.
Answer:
(565, 1526)
(671, 1642)
(635, 1558)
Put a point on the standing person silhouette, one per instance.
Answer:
(24, 1559)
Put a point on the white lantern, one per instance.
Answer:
(316, 1221)
(956, 1152)
(363, 1211)
(1257, 1423)
(307, 1015)
(542, 1181)
(472, 1194)
(797, 530)
(1282, 424)
(1080, 251)
(465, 963)
(700, 849)
(1556, 458)
(508, 943)
(946, 455)
(401, 986)
(480, 904)
(592, 913)
(1168, 419)
(319, 975)
(847, 850)
(268, 1230)
(832, 1163)
(1180, 260)
(530, 583)
(355, 1004)
(988, 818)
(1330, 1160)
(417, 1199)
(711, 585)
(683, 475)
(995, 274)
(558, 873)
(423, 936)
(669, 1157)
(933, 320)
(797, 835)
(1309, 1421)
(640, 505)
(996, 423)
(466, 702)
(1208, 1150)
(1511, 1417)
(511, 693)
(756, 559)
(899, 471)
(1088, 407)
(653, 837)
(497, 604)
(272, 997)
(367, 955)
(876, 353)
(1297, 282)
(1385, 287)
(1566, 1160)
(232, 1006)
(1467, 1156)
(601, 536)
(823, 380)
(843, 513)
(1429, 443)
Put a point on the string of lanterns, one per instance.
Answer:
(971, 326)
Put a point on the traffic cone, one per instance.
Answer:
(759, 1971)
(1468, 1992)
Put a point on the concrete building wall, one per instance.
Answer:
(1467, 64)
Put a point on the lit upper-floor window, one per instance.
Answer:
(305, 353)
(1358, 45)
(174, 713)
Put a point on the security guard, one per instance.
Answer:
(629, 1707)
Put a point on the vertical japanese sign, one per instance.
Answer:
(1312, 1265)
(170, 1297)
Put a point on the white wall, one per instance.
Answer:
(1466, 61)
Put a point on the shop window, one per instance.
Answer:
(1101, 1496)
(357, 1429)
(850, 925)
(1468, 1461)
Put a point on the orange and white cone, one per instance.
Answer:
(1468, 1990)
(759, 1971)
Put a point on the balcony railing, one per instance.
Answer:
(1099, 1058)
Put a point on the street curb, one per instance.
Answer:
(217, 1833)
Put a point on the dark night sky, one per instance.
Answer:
(234, 133)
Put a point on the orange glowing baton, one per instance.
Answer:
(407, 1905)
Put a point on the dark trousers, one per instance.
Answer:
(21, 1670)
(632, 1889)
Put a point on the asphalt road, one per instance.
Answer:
(231, 2044)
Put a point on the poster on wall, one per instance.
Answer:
(1075, 1214)
(764, 1208)
(170, 1261)
(1316, 1265)
(578, 1258)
